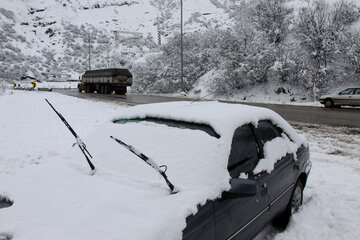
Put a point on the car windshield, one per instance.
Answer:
(347, 91)
(172, 123)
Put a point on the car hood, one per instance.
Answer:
(328, 96)
(125, 198)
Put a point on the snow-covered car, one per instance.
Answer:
(234, 169)
(347, 97)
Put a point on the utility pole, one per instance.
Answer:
(89, 38)
(89, 50)
(182, 47)
(159, 35)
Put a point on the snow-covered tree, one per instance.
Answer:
(272, 17)
(165, 11)
(321, 29)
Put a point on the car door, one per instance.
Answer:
(344, 97)
(201, 225)
(242, 218)
(282, 179)
(356, 97)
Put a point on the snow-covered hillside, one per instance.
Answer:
(46, 38)
(52, 36)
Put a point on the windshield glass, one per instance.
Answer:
(173, 123)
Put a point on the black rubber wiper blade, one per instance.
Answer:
(149, 161)
(80, 143)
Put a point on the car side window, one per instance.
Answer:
(244, 154)
(357, 91)
(347, 91)
(266, 131)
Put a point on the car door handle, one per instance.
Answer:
(296, 166)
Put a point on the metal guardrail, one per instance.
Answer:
(33, 89)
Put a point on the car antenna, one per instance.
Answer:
(80, 143)
(149, 161)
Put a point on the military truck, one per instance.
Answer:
(106, 81)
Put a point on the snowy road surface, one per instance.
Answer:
(31, 134)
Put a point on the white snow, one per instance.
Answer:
(139, 16)
(44, 84)
(56, 198)
(223, 118)
(273, 151)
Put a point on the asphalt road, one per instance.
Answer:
(347, 117)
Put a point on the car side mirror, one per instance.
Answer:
(241, 188)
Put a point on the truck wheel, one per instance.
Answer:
(123, 91)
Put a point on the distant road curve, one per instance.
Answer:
(346, 117)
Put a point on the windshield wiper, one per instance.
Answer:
(80, 143)
(150, 162)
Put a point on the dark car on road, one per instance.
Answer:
(347, 97)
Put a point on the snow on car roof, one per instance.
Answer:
(224, 118)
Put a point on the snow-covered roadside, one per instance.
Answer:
(31, 134)
(44, 84)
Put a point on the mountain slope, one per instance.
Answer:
(43, 37)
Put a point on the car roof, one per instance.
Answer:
(224, 118)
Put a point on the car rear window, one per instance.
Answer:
(172, 123)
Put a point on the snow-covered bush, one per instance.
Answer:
(3, 86)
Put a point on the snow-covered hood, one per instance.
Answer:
(126, 198)
(329, 96)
